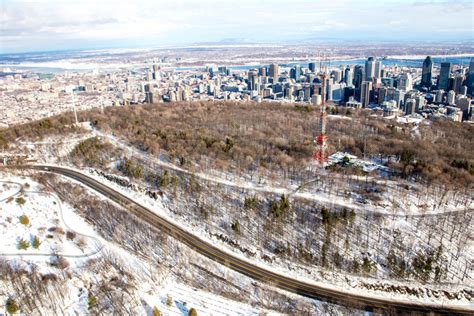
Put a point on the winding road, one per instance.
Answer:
(258, 272)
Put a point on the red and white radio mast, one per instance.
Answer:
(321, 140)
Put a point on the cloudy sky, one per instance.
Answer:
(29, 25)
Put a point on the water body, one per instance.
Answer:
(413, 63)
(14, 62)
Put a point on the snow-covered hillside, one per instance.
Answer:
(55, 260)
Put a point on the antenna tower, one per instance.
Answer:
(321, 140)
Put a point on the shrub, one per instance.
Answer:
(91, 301)
(91, 151)
(70, 235)
(367, 265)
(20, 201)
(128, 168)
(192, 312)
(156, 311)
(60, 263)
(36, 242)
(279, 209)
(23, 244)
(12, 306)
(251, 202)
(236, 226)
(57, 230)
(24, 219)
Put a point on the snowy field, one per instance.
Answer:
(35, 224)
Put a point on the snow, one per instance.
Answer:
(45, 213)
(328, 280)
(183, 298)
(45, 210)
(409, 204)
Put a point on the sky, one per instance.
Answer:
(42, 25)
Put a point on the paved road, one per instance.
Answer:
(257, 272)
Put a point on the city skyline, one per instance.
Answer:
(61, 25)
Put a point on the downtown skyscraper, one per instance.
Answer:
(445, 72)
(427, 73)
(369, 68)
(470, 78)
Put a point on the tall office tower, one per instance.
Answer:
(338, 75)
(274, 71)
(427, 73)
(439, 96)
(222, 70)
(470, 78)
(410, 106)
(381, 95)
(148, 94)
(399, 96)
(369, 69)
(358, 76)
(252, 79)
(463, 90)
(451, 97)
(348, 76)
(262, 71)
(149, 76)
(312, 67)
(420, 102)
(378, 69)
(358, 79)
(443, 79)
(295, 72)
(156, 68)
(366, 89)
(457, 82)
(405, 82)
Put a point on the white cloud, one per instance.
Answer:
(44, 24)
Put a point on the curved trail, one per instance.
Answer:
(246, 267)
(61, 215)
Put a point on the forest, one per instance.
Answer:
(271, 138)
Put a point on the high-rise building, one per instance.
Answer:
(369, 69)
(295, 72)
(274, 71)
(457, 82)
(439, 96)
(410, 106)
(405, 82)
(420, 102)
(470, 78)
(382, 94)
(348, 76)
(378, 69)
(312, 67)
(262, 71)
(252, 79)
(443, 79)
(451, 97)
(149, 94)
(427, 73)
(338, 75)
(366, 89)
(359, 76)
(399, 96)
